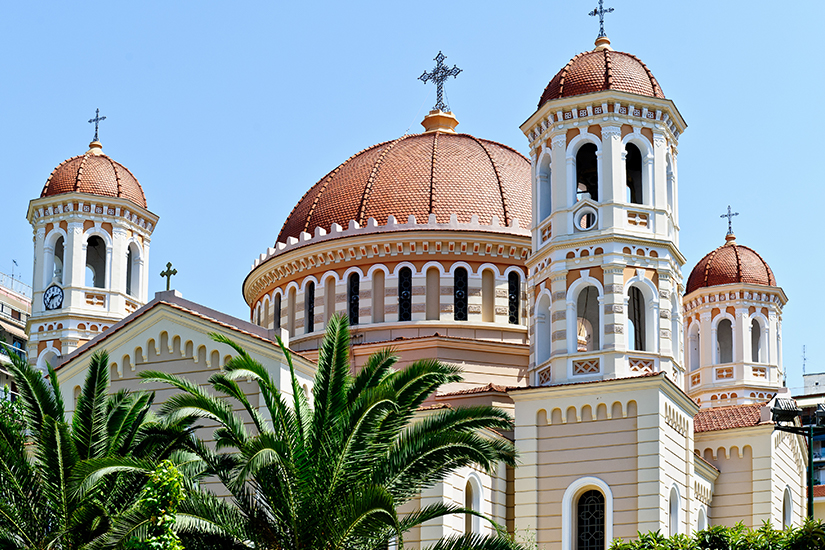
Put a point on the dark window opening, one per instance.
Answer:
(278, 311)
(587, 173)
(353, 297)
(460, 294)
(590, 521)
(405, 294)
(633, 167)
(636, 316)
(513, 301)
(309, 308)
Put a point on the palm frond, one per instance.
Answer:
(89, 427)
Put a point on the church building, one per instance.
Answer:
(641, 398)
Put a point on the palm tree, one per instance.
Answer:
(332, 475)
(47, 497)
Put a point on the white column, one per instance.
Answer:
(707, 340)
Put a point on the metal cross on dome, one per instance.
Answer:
(600, 11)
(439, 75)
(729, 215)
(96, 120)
(168, 274)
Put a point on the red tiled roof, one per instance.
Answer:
(819, 491)
(600, 70)
(645, 375)
(96, 174)
(480, 389)
(727, 418)
(433, 173)
(728, 264)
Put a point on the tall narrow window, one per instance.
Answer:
(405, 294)
(468, 504)
(587, 173)
(636, 319)
(693, 346)
(309, 308)
(460, 294)
(513, 297)
(95, 262)
(291, 311)
(133, 275)
(277, 313)
(787, 509)
(674, 511)
(433, 297)
(57, 272)
(129, 260)
(724, 341)
(544, 190)
(590, 521)
(329, 299)
(353, 297)
(756, 335)
(488, 296)
(633, 167)
(587, 322)
(378, 296)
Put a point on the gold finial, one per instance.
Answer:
(602, 43)
(439, 121)
(95, 148)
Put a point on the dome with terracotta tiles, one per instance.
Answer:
(438, 172)
(730, 263)
(96, 174)
(602, 69)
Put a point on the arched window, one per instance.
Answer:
(329, 299)
(673, 512)
(513, 297)
(756, 340)
(702, 522)
(57, 270)
(309, 308)
(543, 329)
(133, 271)
(459, 294)
(633, 167)
(95, 262)
(671, 192)
(724, 342)
(468, 504)
(277, 311)
(291, 311)
(693, 346)
(353, 297)
(787, 509)
(77, 393)
(544, 179)
(587, 173)
(636, 319)
(433, 297)
(405, 294)
(378, 296)
(587, 320)
(590, 521)
(488, 296)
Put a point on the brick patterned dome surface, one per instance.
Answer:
(432, 173)
(96, 174)
(728, 264)
(600, 70)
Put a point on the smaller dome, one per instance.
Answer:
(599, 70)
(730, 263)
(96, 174)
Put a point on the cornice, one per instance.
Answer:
(84, 206)
(714, 296)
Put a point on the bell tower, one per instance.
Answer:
(605, 272)
(92, 232)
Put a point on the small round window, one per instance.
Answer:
(586, 219)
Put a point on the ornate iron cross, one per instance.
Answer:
(168, 274)
(729, 215)
(97, 119)
(600, 11)
(439, 75)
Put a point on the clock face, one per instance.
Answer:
(53, 297)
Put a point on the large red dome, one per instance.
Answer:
(729, 264)
(439, 173)
(96, 174)
(599, 70)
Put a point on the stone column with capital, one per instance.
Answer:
(659, 182)
(559, 174)
(143, 296)
(666, 337)
(707, 339)
(74, 265)
(612, 174)
(119, 263)
(39, 277)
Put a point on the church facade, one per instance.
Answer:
(641, 400)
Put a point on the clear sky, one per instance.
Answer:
(227, 112)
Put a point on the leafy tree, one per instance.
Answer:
(11, 410)
(331, 475)
(161, 497)
(52, 488)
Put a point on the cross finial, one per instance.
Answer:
(439, 75)
(96, 120)
(168, 274)
(600, 11)
(729, 216)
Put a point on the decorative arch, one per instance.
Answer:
(573, 149)
(306, 280)
(473, 492)
(568, 512)
(402, 265)
(759, 343)
(589, 317)
(787, 508)
(642, 316)
(377, 267)
(48, 357)
(544, 180)
(694, 345)
(674, 503)
(543, 330)
(49, 257)
(723, 349)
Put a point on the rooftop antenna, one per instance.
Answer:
(13, 263)
(804, 360)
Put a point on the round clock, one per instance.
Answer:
(53, 297)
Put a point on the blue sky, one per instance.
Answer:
(228, 112)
